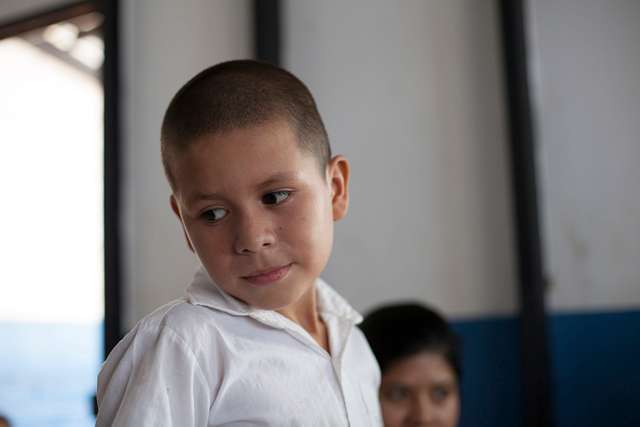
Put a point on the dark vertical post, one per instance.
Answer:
(267, 30)
(535, 360)
(112, 313)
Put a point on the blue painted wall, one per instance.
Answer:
(490, 372)
(595, 370)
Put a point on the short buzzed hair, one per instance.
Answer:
(240, 94)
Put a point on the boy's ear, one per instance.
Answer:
(338, 174)
(176, 210)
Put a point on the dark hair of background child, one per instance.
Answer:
(398, 331)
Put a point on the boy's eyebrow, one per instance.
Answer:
(272, 180)
(277, 178)
(202, 196)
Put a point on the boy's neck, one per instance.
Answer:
(305, 313)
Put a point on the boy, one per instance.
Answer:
(258, 339)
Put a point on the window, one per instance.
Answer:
(51, 175)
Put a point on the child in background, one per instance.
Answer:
(419, 358)
(259, 338)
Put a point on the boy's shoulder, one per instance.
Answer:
(176, 326)
(178, 316)
(201, 309)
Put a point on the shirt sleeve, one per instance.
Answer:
(152, 378)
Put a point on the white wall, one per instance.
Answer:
(164, 44)
(411, 92)
(586, 54)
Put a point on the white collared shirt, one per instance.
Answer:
(210, 360)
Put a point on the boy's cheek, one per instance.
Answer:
(187, 235)
(197, 240)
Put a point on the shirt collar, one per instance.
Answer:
(205, 292)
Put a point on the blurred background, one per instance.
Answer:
(494, 149)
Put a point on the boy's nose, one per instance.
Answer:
(252, 236)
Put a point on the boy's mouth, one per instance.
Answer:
(268, 276)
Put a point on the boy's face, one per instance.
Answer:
(259, 213)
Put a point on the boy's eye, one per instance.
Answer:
(214, 215)
(275, 197)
